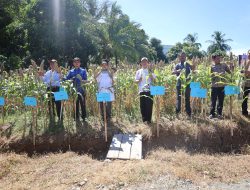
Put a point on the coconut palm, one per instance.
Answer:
(191, 39)
(219, 43)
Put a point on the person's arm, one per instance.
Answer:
(68, 76)
(84, 76)
(176, 70)
(138, 76)
(227, 69)
(212, 72)
(45, 78)
(111, 75)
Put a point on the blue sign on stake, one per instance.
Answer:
(61, 95)
(30, 101)
(2, 102)
(62, 89)
(157, 90)
(198, 93)
(103, 97)
(195, 85)
(232, 90)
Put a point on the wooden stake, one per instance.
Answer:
(157, 115)
(3, 113)
(33, 130)
(231, 114)
(231, 108)
(62, 103)
(105, 121)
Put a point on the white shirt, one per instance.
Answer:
(145, 83)
(105, 84)
(51, 78)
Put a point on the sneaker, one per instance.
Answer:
(220, 117)
(245, 114)
(211, 116)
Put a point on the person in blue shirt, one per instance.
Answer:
(179, 67)
(52, 80)
(79, 76)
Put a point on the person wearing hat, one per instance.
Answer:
(246, 85)
(144, 78)
(105, 84)
(218, 72)
(52, 80)
(79, 76)
(178, 69)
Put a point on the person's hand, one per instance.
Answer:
(40, 73)
(178, 71)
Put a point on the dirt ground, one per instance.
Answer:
(197, 154)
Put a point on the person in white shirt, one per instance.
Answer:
(105, 84)
(52, 80)
(144, 77)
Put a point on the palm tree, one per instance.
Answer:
(219, 43)
(191, 39)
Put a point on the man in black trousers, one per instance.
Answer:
(185, 67)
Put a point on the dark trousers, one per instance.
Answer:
(187, 100)
(245, 99)
(52, 102)
(80, 101)
(146, 106)
(217, 93)
(108, 110)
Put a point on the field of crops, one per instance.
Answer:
(18, 84)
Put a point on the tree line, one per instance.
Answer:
(89, 29)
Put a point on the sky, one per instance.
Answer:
(171, 20)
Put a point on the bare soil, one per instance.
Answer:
(188, 154)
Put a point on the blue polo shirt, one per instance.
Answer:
(72, 75)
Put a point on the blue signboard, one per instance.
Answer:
(195, 85)
(30, 101)
(232, 90)
(2, 102)
(103, 97)
(157, 90)
(198, 93)
(61, 95)
(62, 89)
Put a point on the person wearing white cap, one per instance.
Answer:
(144, 77)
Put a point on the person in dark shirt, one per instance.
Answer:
(79, 76)
(246, 85)
(218, 71)
(186, 67)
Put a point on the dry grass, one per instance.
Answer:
(64, 170)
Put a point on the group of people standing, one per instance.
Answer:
(53, 77)
(144, 77)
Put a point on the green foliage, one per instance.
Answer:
(219, 43)
(189, 46)
(156, 44)
(88, 29)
